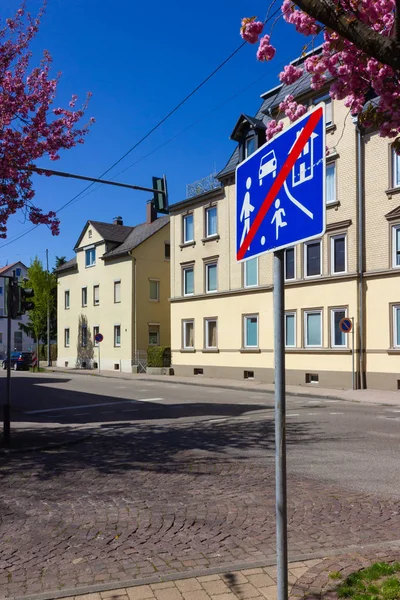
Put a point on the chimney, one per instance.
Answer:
(118, 221)
(151, 213)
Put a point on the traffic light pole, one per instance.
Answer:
(7, 405)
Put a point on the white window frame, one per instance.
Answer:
(251, 285)
(117, 345)
(332, 164)
(207, 267)
(94, 295)
(84, 304)
(184, 344)
(332, 242)
(395, 308)
(93, 264)
(291, 313)
(157, 281)
(208, 234)
(116, 283)
(156, 329)
(332, 326)
(395, 173)
(313, 312)
(306, 244)
(67, 294)
(395, 228)
(95, 327)
(245, 340)
(67, 337)
(206, 340)
(250, 138)
(184, 269)
(294, 257)
(185, 239)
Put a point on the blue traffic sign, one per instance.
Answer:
(98, 337)
(346, 325)
(280, 189)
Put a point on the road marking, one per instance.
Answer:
(46, 410)
(107, 412)
(293, 415)
(312, 414)
(336, 413)
(396, 411)
(130, 410)
(331, 401)
(79, 414)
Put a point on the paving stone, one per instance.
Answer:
(196, 595)
(162, 585)
(168, 594)
(245, 590)
(228, 596)
(140, 592)
(215, 587)
(111, 594)
(188, 585)
(270, 593)
(208, 578)
(261, 580)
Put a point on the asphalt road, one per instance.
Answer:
(340, 442)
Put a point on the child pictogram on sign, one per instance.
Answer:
(278, 217)
(246, 211)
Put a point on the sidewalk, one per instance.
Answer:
(390, 398)
(313, 579)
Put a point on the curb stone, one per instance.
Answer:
(50, 446)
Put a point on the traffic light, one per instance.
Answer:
(25, 304)
(13, 301)
(160, 197)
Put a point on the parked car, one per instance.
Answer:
(19, 361)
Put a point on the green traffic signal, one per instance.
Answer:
(160, 197)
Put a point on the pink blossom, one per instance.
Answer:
(290, 74)
(273, 127)
(292, 109)
(265, 50)
(27, 131)
(251, 29)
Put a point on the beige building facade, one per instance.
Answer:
(222, 310)
(117, 285)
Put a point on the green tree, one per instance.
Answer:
(60, 260)
(44, 285)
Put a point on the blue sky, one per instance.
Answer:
(139, 60)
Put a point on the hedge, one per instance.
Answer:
(158, 356)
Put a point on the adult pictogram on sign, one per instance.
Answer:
(247, 209)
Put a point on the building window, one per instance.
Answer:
(66, 299)
(154, 293)
(188, 334)
(18, 341)
(250, 145)
(1, 337)
(188, 281)
(117, 292)
(84, 336)
(96, 295)
(84, 296)
(396, 246)
(313, 328)
(338, 338)
(290, 264)
(290, 330)
(90, 233)
(188, 230)
(312, 259)
(331, 183)
(338, 254)
(395, 169)
(251, 272)
(210, 333)
(1, 290)
(211, 221)
(326, 99)
(211, 277)
(66, 338)
(96, 330)
(251, 331)
(117, 335)
(167, 250)
(396, 326)
(154, 335)
(90, 257)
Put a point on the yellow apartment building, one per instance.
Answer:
(222, 310)
(118, 285)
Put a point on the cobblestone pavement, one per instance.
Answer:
(155, 500)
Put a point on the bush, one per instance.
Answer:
(158, 356)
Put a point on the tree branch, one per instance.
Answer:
(396, 29)
(385, 50)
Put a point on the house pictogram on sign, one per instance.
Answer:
(303, 169)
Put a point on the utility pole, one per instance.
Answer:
(48, 315)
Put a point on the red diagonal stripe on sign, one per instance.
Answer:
(281, 176)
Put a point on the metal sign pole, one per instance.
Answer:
(352, 355)
(99, 344)
(280, 426)
(7, 405)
